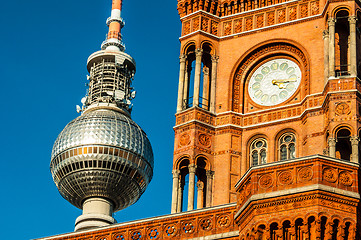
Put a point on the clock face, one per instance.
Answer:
(274, 82)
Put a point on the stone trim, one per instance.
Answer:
(218, 236)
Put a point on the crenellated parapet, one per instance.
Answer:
(223, 8)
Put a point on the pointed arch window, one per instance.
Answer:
(287, 146)
(258, 152)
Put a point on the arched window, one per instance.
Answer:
(342, 35)
(343, 144)
(287, 146)
(197, 78)
(258, 151)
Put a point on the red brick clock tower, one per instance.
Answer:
(269, 94)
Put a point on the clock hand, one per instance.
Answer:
(280, 82)
(284, 80)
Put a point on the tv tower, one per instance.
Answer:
(102, 161)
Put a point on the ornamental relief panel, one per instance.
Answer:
(204, 26)
(345, 178)
(285, 177)
(238, 26)
(204, 140)
(249, 23)
(119, 236)
(184, 140)
(170, 230)
(305, 174)
(314, 7)
(270, 18)
(259, 21)
(223, 221)
(343, 108)
(281, 15)
(188, 227)
(214, 27)
(265, 181)
(186, 28)
(329, 174)
(304, 10)
(153, 233)
(136, 235)
(292, 13)
(205, 224)
(195, 24)
(227, 28)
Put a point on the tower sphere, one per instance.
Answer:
(102, 153)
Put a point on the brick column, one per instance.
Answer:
(197, 76)
(279, 233)
(353, 62)
(192, 176)
(328, 230)
(212, 105)
(209, 175)
(354, 145)
(331, 50)
(341, 231)
(182, 73)
(326, 56)
(304, 231)
(200, 194)
(332, 147)
(175, 191)
(292, 232)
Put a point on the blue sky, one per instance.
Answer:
(44, 48)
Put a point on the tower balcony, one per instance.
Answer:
(315, 197)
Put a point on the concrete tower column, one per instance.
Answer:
(326, 43)
(209, 175)
(332, 147)
(192, 176)
(205, 96)
(200, 198)
(175, 190)
(212, 105)
(97, 212)
(331, 50)
(354, 145)
(182, 73)
(197, 76)
(353, 62)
